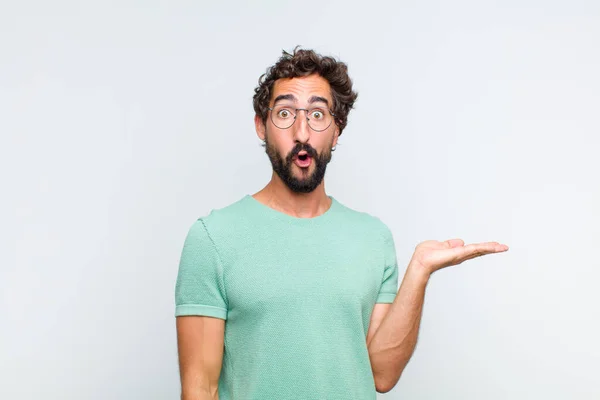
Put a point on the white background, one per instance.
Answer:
(122, 123)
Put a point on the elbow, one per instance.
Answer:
(203, 393)
(384, 385)
(383, 389)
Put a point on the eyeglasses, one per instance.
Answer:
(318, 118)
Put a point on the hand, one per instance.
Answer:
(432, 255)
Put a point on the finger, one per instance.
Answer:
(451, 243)
(478, 250)
(488, 246)
(475, 255)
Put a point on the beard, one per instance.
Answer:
(283, 167)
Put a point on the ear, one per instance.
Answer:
(260, 127)
(336, 135)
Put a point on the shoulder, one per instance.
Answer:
(223, 221)
(366, 221)
(226, 214)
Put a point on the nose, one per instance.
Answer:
(301, 129)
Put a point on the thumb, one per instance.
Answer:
(452, 243)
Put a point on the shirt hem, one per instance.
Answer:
(201, 310)
(386, 298)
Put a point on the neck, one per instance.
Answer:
(278, 196)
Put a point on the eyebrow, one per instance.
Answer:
(311, 100)
(285, 97)
(318, 99)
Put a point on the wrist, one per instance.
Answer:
(418, 271)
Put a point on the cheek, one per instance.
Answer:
(324, 145)
(280, 143)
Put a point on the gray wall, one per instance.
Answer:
(121, 124)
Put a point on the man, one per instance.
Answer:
(287, 293)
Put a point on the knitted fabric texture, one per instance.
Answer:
(296, 295)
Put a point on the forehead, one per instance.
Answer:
(303, 87)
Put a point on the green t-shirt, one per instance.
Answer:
(296, 293)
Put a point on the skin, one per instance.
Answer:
(200, 343)
(393, 328)
(276, 194)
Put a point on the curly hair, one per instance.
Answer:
(303, 63)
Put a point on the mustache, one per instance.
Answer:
(300, 147)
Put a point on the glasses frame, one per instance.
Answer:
(307, 118)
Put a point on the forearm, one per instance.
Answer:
(394, 341)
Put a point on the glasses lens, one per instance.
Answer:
(319, 119)
(282, 116)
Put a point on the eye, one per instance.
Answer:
(317, 114)
(284, 113)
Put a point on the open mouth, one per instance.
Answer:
(303, 160)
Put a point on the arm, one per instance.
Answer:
(393, 330)
(200, 348)
(394, 335)
(201, 311)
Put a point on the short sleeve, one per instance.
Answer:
(199, 289)
(389, 281)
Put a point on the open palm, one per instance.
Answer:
(433, 255)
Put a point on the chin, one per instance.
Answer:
(303, 175)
